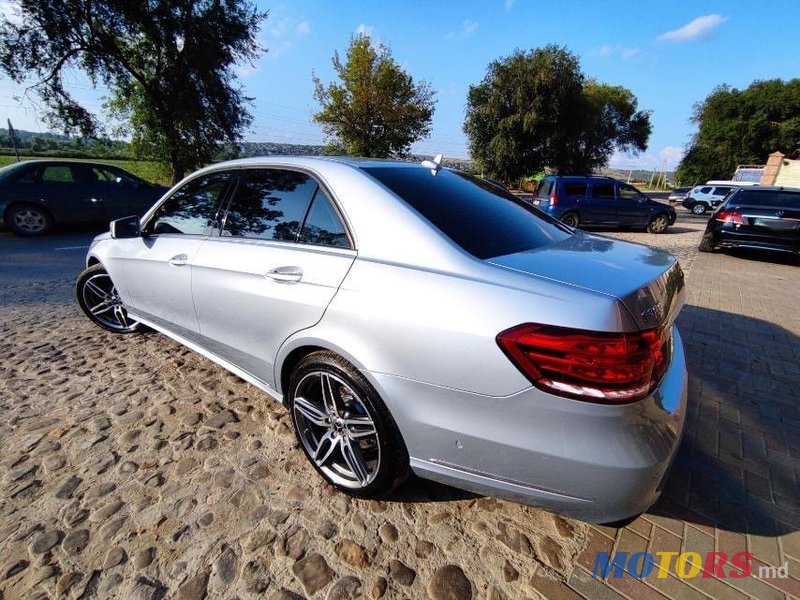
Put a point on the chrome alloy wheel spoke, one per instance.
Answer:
(96, 289)
(336, 429)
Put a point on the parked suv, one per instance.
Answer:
(764, 218)
(585, 200)
(703, 198)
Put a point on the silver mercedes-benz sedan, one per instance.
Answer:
(416, 318)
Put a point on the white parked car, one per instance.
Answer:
(702, 198)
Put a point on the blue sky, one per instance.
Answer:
(670, 55)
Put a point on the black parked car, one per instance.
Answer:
(764, 218)
(580, 200)
(35, 195)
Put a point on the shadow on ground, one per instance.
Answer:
(739, 461)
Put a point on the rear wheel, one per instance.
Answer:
(571, 219)
(658, 224)
(706, 243)
(344, 428)
(99, 300)
(29, 220)
(699, 208)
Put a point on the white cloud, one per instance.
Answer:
(364, 29)
(468, 28)
(303, 28)
(670, 156)
(279, 39)
(508, 4)
(607, 50)
(699, 28)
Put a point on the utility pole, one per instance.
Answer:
(13, 138)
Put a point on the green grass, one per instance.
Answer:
(146, 169)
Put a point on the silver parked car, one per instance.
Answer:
(414, 318)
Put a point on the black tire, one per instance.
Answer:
(29, 220)
(706, 243)
(392, 466)
(112, 315)
(571, 218)
(699, 208)
(658, 224)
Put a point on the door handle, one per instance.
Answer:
(285, 274)
(179, 260)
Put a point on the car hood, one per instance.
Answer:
(647, 281)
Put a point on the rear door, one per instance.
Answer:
(601, 206)
(63, 188)
(281, 256)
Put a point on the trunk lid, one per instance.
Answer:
(647, 281)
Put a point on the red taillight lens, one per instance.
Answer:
(730, 216)
(553, 199)
(611, 368)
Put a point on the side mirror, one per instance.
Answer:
(126, 227)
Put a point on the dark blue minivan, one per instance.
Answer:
(580, 200)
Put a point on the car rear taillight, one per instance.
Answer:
(609, 368)
(730, 216)
(554, 199)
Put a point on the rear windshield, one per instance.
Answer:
(480, 218)
(768, 198)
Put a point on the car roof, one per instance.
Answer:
(771, 188)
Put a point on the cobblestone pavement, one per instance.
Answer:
(133, 468)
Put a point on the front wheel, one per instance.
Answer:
(99, 300)
(658, 224)
(699, 209)
(344, 428)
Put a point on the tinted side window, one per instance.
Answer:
(269, 204)
(482, 219)
(603, 191)
(705, 190)
(191, 210)
(544, 187)
(58, 174)
(722, 191)
(322, 226)
(628, 192)
(575, 189)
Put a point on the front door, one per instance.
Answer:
(634, 209)
(154, 272)
(280, 258)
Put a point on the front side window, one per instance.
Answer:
(604, 191)
(322, 226)
(629, 193)
(269, 204)
(192, 209)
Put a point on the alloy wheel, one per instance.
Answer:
(659, 224)
(337, 430)
(699, 208)
(103, 302)
(30, 221)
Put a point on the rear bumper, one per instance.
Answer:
(729, 238)
(595, 462)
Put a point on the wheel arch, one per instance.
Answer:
(15, 203)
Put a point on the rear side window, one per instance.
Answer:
(770, 198)
(269, 204)
(722, 191)
(705, 190)
(603, 191)
(544, 188)
(58, 174)
(322, 226)
(575, 189)
(482, 219)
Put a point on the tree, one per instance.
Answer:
(377, 110)
(167, 63)
(536, 109)
(740, 127)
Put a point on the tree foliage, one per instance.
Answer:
(167, 63)
(376, 109)
(537, 109)
(742, 127)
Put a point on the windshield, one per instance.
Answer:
(482, 219)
